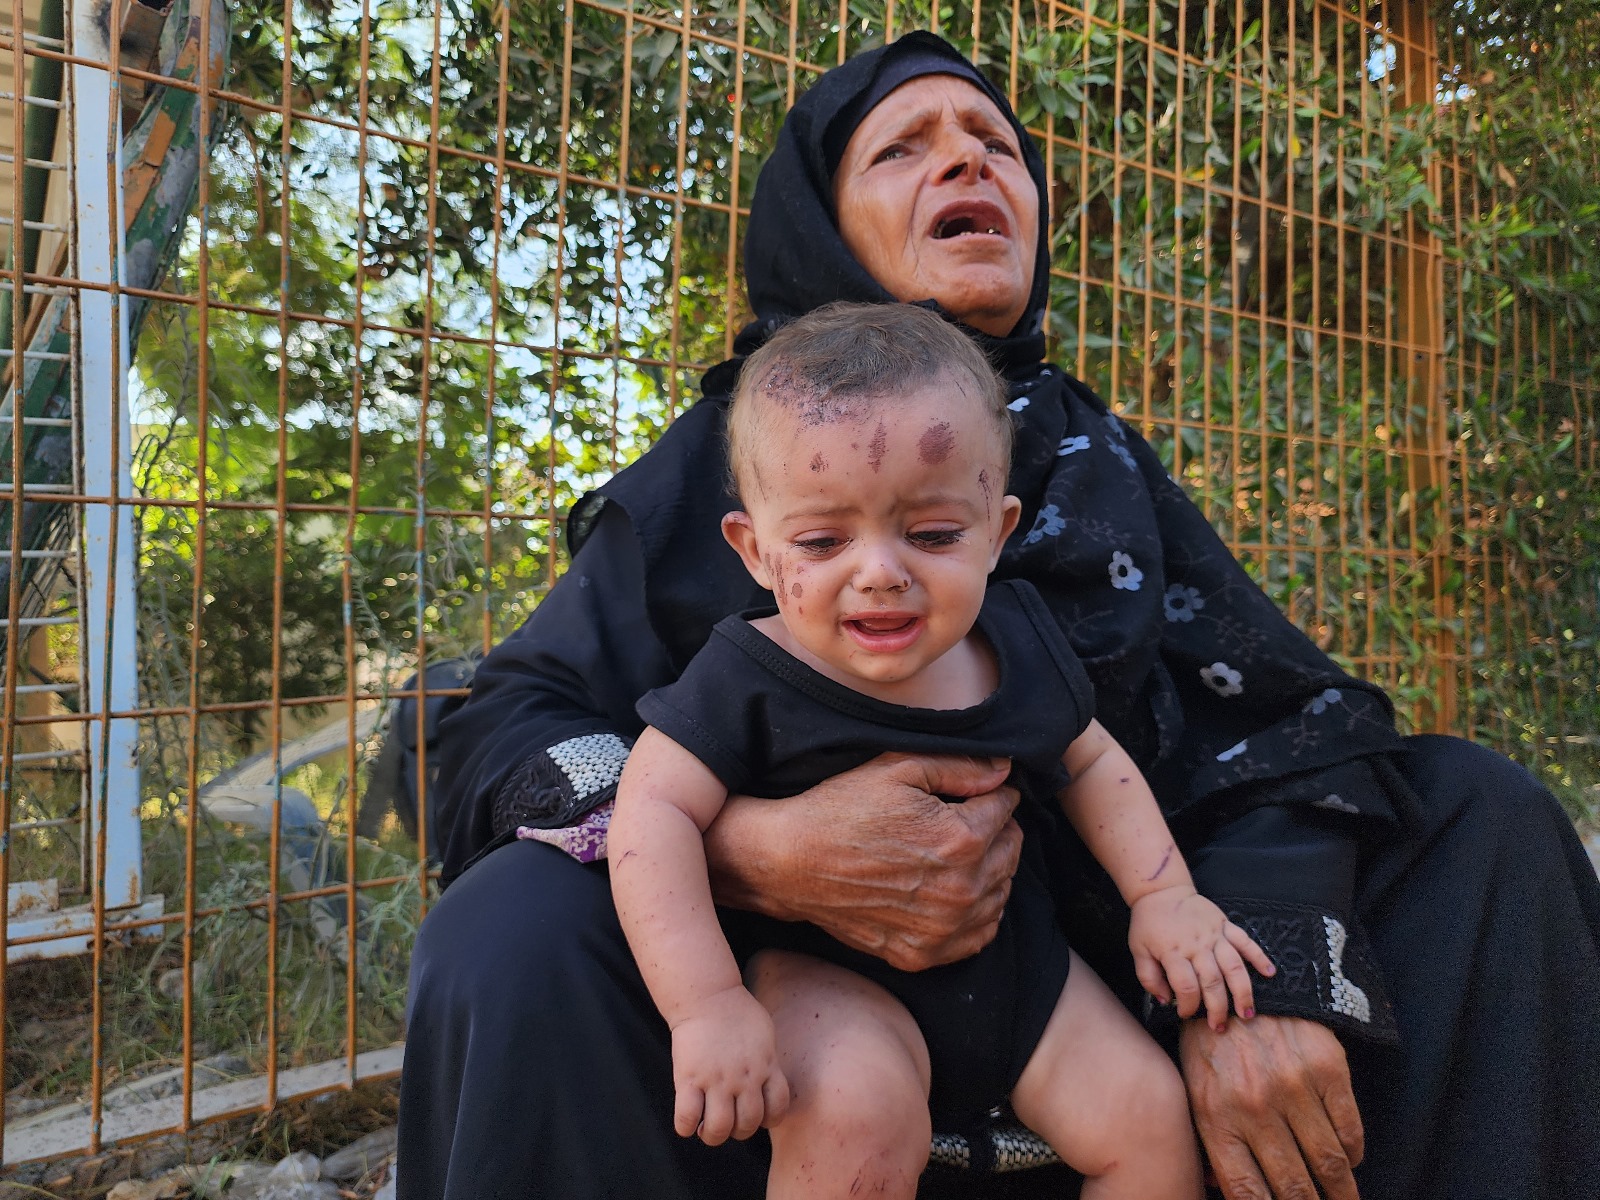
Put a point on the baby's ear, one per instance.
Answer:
(741, 534)
(1010, 514)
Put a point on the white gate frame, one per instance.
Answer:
(108, 622)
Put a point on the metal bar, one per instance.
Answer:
(27, 756)
(43, 164)
(52, 823)
(34, 101)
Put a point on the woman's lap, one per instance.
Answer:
(536, 1064)
(1487, 927)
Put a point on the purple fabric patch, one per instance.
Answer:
(585, 841)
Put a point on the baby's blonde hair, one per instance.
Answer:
(842, 361)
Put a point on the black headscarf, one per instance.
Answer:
(1224, 703)
(794, 259)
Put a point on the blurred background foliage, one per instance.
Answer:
(1350, 291)
(1340, 261)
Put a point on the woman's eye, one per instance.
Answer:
(929, 539)
(889, 153)
(1001, 146)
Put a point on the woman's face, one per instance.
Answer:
(935, 202)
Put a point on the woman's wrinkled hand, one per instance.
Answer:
(876, 858)
(1273, 1105)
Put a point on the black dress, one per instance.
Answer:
(766, 724)
(1423, 897)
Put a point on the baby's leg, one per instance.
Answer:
(858, 1076)
(1108, 1100)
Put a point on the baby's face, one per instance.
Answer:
(876, 528)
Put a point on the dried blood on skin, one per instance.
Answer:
(774, 572)
(796, 591)
(810, 403)
(988, 492)
(818, 463)
(936, 443)
(878, 447)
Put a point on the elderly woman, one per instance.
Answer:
(1432, 1026)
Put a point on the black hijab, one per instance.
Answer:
(794, 259)
(1223, 702)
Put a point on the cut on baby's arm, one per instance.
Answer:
(1185, 950)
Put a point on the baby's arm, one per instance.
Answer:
(1178, 937)
(724, 1058)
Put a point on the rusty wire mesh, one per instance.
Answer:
(448, 266)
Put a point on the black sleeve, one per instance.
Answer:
(543, 736)
(1277, 787)
(1286, 876)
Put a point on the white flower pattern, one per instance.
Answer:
(1124, 575)
(1318, 705)
(1222, 679)
(1072, 445)
(1181, 603)
(1233, 751)
(1017, 405)
(1048, 523)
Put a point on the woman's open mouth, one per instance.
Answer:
(969, 218)
(885, 634)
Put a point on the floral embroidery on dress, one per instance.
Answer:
(1335, 803)
(1233, 751)
(1181, 602)
(1318, 705)
(1222, 679)
(1048, 523)
(1119, 441)
(1071, 445)
(585, 841)
(1124, 575)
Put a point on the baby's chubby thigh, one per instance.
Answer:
(858, 1075)
(1108, 1099)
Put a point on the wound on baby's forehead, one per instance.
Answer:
(936, 443)
(809, 400)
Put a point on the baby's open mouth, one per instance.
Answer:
(883, 624)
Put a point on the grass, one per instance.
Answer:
(49, 1003)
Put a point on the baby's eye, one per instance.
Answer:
(819, 546)
(929, 539)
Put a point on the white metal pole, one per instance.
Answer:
(110, 658)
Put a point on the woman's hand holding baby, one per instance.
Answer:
(877, 859)
(1185, 948)
(725, 1069)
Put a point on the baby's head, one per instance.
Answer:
(869, 446)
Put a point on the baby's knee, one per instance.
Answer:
(1149, 1104)
(854, 1132)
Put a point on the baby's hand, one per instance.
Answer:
(725, 1069)
(1181, 939)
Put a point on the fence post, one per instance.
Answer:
(1421, 335)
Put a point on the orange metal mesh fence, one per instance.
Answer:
(449, 266)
